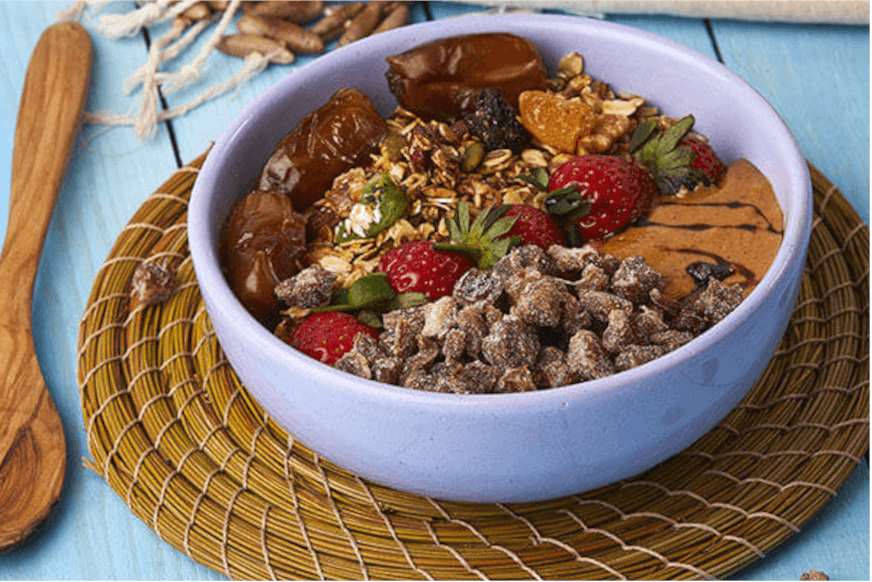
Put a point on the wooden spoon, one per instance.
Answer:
(32, 445)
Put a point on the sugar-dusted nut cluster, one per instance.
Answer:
(311, 287)
(538, 319)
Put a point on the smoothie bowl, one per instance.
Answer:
(551, 364)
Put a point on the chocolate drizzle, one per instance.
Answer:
(701, 226)
(702, 271)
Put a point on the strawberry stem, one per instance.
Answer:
(458, 248)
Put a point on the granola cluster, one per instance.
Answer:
(538, 319)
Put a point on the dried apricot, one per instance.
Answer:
(554, 119)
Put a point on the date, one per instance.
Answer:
(328, 141)
(440, 79)
(260, 247)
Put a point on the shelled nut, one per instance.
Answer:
(397, 15)
(297, 38)
(332, 24)
(363, 23)
(299, 12)
(243, 45)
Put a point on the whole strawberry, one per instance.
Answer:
(676, 157)
(418, 267)
(705, 159)
(325, 336)
(535, 227)
(599, 194)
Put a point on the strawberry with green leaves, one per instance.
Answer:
(326, 336)
(598, 195)
(676, 157)
(496, 230)
(419, 267)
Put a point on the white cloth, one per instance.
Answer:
(819, 11)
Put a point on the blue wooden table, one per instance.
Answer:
(816, 76)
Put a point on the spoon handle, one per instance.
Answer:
(32, 444)
(54, 93)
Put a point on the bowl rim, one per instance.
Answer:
(795, 238)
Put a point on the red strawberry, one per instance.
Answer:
(418, 267)
(535, 227)
(706, 160)
(327, 335)
(675, 157)
(600, 194)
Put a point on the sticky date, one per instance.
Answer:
(439, 79)
(327, 142)
(260, 247)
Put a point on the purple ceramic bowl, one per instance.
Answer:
(524, 446)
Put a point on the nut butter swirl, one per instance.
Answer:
(738, 223)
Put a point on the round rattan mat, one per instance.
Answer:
(178, 437)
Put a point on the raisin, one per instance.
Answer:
(703, 271)
(495, 123)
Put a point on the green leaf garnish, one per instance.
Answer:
(538, 178)
(379, 193)
(480, 238)
(364, 292)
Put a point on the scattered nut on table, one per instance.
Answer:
(277, 28)
(152, 283)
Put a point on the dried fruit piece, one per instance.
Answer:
(152, 283)
(260, 247)
(495, 122)
(327, 142)
(311, 287)
(440, 79)
(554, 119)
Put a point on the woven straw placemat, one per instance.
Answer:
(177, 436)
